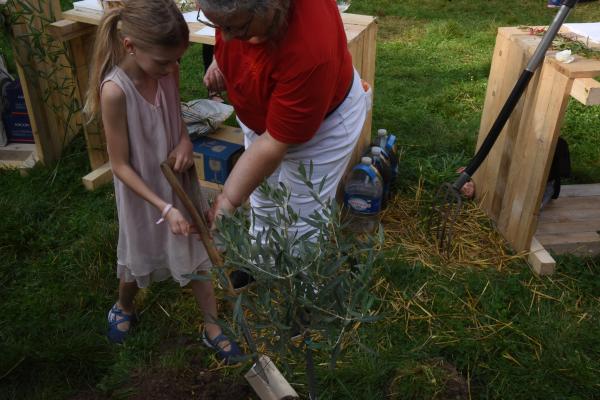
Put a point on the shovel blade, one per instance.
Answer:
(268, 382)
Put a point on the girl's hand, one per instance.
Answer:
(177, 223)
(214, 79)
(221, 206)
(183, 155)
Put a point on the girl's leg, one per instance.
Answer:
(205, 296)
(127, 292)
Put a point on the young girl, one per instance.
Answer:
(134, 85)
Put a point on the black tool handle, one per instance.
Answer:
(515, 95)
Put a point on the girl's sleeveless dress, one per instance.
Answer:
(148, 252)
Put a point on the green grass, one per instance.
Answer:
(509, 334)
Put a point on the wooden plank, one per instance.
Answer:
(580, 68)
(569, 215)
(490, 180)
(22, 156)
(94, 135)
(351, 23)
(65, 29)
(540, 260)
(533, 152)
(28, 164)
(370, 54)
(586, 91)
(98, 177)
(580, 190)
(356, 48)
(579, 203)
(579, 243)
(357, 19)
(85, 17)
(586, 225)
(229, 134)
(18, 155)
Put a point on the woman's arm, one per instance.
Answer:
(256, 163)
(114, 118)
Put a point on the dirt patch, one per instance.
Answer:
(190, 384)
(170, 385)
(434, 378)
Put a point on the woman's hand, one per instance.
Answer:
(178, 224)
(221, 206)
(183, 155)
(213, 78)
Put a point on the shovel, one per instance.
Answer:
(264, 377)
(447, 202)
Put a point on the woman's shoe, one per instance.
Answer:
(116, 316)
(231, 356)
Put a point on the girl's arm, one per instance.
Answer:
(259, 161)
(114, 118)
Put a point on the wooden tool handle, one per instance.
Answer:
(197, 218)
(213, 253)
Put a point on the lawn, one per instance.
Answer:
(479, 332)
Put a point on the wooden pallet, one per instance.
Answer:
(22, 156)
(77, 29)
(571, 223)
(511, 182)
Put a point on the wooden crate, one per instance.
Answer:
(77, 29)
(511, 182)
(46, 81)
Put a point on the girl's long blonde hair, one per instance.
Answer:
(148, 23)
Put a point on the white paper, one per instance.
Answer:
(190, 16)
(206, 31)
(589, 30)
(88, 5)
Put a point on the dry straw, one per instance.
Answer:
(475, 243)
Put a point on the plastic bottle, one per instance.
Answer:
(363, 196)
(392, 151)
(382, 163)
(388, 143)
(382, 136)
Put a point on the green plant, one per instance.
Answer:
(316, 284)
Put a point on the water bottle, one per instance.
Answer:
(382, 135)
(362, 196)
(382, 163)
(388, 143)
(392, 151)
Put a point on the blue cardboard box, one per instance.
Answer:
(14, 100)
(18, 127)
(215, 158)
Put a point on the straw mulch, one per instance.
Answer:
(475, 243)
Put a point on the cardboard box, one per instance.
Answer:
(18, 127)
(216, 154)
(14, 99)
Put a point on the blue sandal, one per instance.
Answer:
(234, 355)
(116, 316)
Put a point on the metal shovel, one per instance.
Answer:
(264, 377)
(447, 202)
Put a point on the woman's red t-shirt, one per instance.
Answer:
(288, 87)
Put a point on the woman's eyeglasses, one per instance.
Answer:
(231, 30)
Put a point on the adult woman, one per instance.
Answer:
(288, 73)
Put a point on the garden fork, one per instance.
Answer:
(447, 203)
